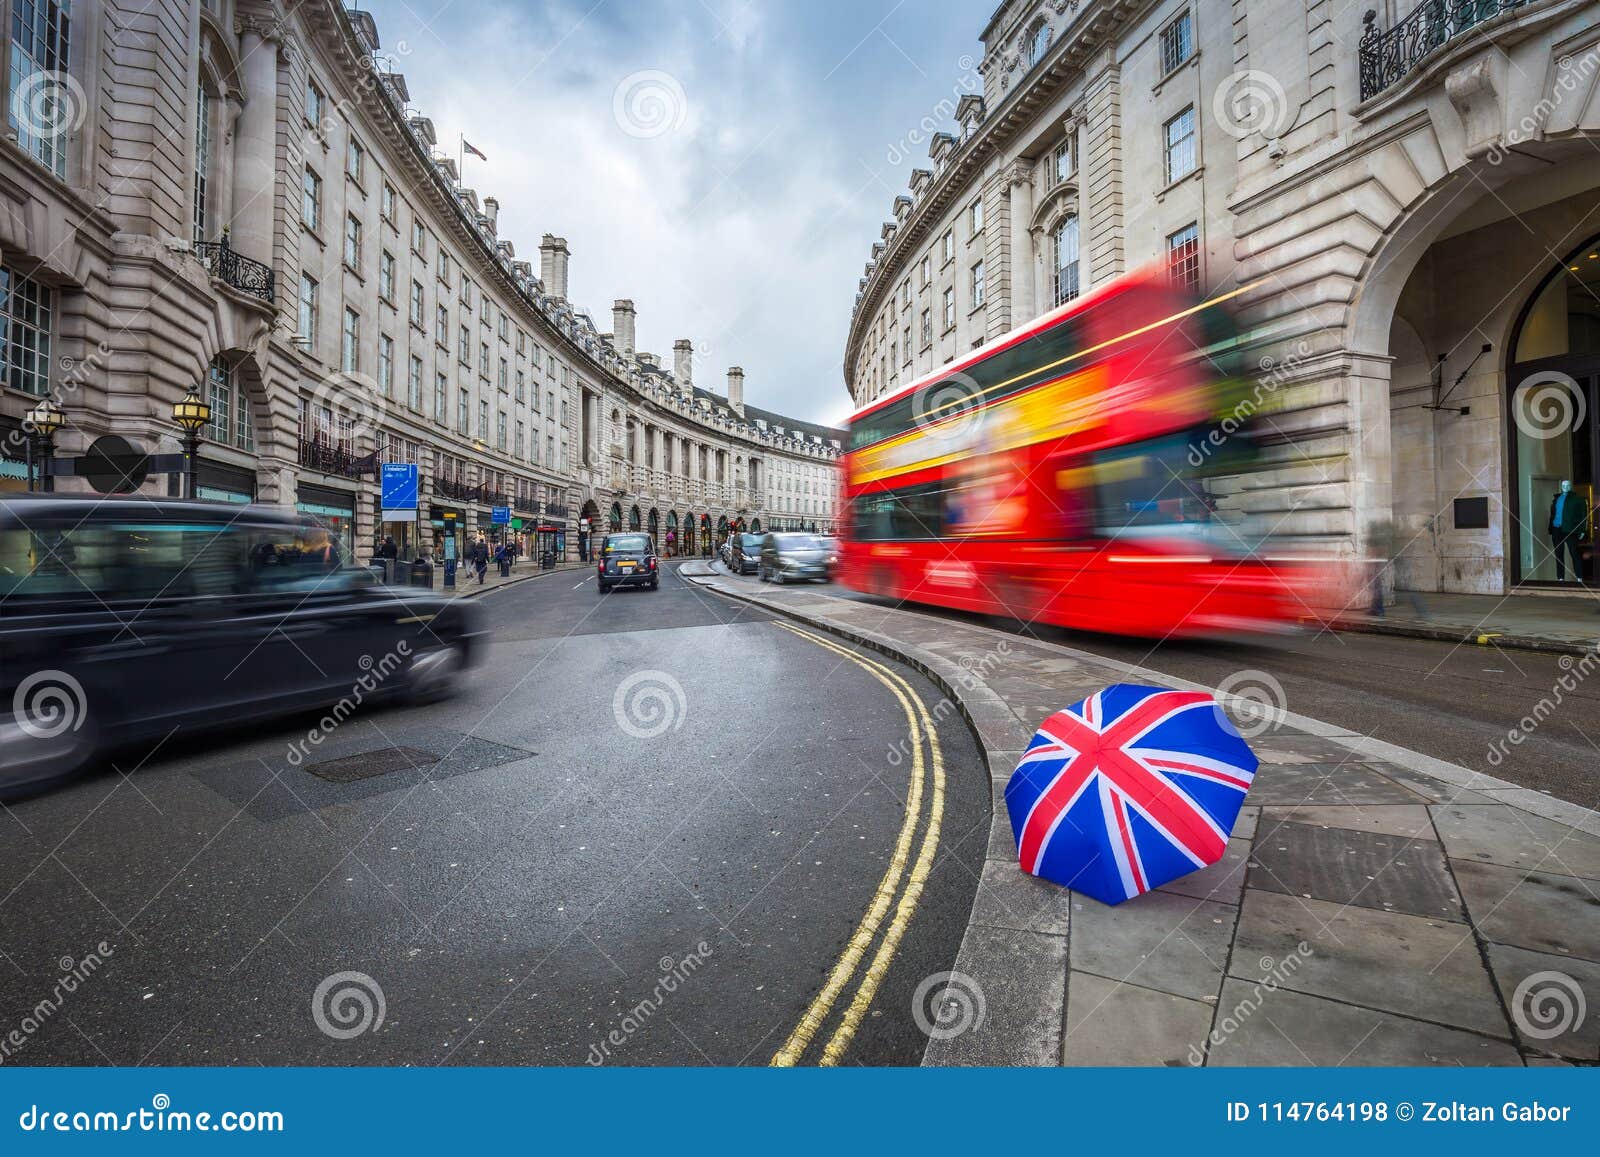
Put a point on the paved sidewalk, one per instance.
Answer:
(467, 582)
(1375, 907)
(1566, 623)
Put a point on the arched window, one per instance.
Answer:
(1064, 254)
(1038, 44)
(232, 423)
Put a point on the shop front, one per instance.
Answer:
(333, 510)
(220, 482)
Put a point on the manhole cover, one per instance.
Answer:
(367, 764)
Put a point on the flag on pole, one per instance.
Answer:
(467, 146)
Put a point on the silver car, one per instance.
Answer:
(792, 555)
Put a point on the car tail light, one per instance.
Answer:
(652, 562)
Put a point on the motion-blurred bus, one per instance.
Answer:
(1065, 475)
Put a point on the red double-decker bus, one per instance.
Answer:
(1060, 475)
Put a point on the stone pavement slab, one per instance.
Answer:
(1548, 1004)
(1363, 900)
(1546, 622)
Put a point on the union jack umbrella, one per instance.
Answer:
(1127, 790)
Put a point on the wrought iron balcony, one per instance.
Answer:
(235, 270)
(1386, 56)
(460, 491)
(332, 458)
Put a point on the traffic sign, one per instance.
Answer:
(500, 515)
(399, 486)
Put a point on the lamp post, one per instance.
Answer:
(45, 419)
(191, 413)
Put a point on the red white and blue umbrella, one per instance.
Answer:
(1127, 790)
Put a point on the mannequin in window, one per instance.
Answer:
(1569, 525)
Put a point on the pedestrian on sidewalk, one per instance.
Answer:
(1384, 547)
(480, 558)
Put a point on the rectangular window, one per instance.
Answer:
(441, 326)
(308, 308)
(464, 346)
(414, 384)
(505, 376)
(219, 395)
(350, 347)
(355, 159)
(1180, 155)
(441, 387)
(311, 200)
(387, 205)
(385, 365)
(202, 158)
(905, 343)
(443, 266)
(316, 106)
(522, 382)
(522, 436)
(40, 50)
(1183, 256)
(949, 309)
(483, 358)
(1177, 43)
(500, 431)
(1062, 165)
(483, 420)
(27, 310)
(948, 245)
(419, 239)
(386, 276)
(463, 412)
(975, 216)
(466, 292)
(927, 327)
(549, 450)
(352, 242)
(977, 285)
(418, 304)
(905, 294)
(505, 327)
(1064, 244)
(927, 271)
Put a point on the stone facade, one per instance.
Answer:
(1386, 197)
(238, 196)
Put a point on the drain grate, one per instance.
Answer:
(367, 764)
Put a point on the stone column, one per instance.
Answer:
(1019, 197)
(1101, 172)
(255, 152)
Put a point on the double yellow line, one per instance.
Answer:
(920, 727)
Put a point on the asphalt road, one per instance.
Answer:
(649, 826)
(1448, 701)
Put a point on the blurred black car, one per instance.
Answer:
(744, 553)
(127, 619)
(628, 560)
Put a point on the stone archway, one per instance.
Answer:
(634, 520)
(614, 519)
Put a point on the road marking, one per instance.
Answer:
(918, 723)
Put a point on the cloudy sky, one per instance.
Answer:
(727, 164)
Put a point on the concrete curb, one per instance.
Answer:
(1028, 959)
(1468, 638)
(478, 593)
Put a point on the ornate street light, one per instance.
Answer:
(45, 419)
(193, 414)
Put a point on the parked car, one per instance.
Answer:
(628, 560)
(793, 555)
(744, 555)
(128, 619)
(725, 551)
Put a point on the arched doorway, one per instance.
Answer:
(672, 532)
(614, 521)
(687, 546)
(706, 545)
(633, 518)
(652, 523)
(755, 526)
(1552, 438)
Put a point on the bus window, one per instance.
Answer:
(1146, 489)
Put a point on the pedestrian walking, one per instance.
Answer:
(480, 558)
(388, 549)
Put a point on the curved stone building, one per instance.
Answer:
(1407, 194)
(238, 197)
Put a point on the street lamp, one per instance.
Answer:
(45, 419)
(191, 413)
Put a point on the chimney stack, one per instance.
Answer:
(683, 363)
(553, 258)
(736, 390)
(622, 317)
(491, 210)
